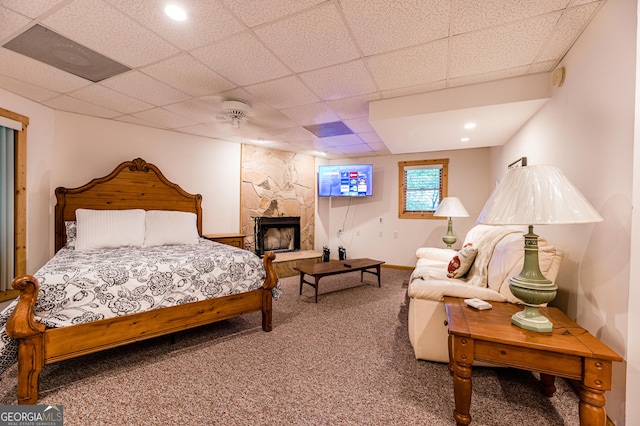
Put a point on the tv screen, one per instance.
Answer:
(346, 180)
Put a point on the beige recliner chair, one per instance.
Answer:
(500, 255)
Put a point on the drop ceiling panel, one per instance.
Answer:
(116, 101)
(119, 38)
(31, 8)
(164, 118)
(340, 81)
(194, 109)
(382, 25)
(471, 16)
(371, 138)
(254, 13)
(309, 114)
(67, 103)
(313, 39)
(37, 73)
(573, 22)
(283, 93)
(408, 67)
(145, 88)
(359, 125)
(313, 59)
(207, 21)
(188, 75)
(355, 107)
(361, 148)
(495, 48)
(11, 22)
(27, 90)
(230, 59)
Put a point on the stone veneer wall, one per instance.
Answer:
(277, 183)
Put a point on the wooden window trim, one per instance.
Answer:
(402, 214)
(20, 213)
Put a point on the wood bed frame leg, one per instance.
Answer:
(30, 363)
(269, 283)
(23, 327)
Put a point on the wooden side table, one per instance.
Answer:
(236, 240)
(568, 351)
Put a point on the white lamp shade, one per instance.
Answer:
(451, 207)
(536, 195)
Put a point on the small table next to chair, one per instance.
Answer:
(567, 351)
(319, 270)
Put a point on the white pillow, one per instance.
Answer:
(109, 228)
(170, 227)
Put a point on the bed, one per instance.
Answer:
(136, 187)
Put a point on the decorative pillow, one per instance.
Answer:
(71, 229)
(109, 228)
(462, 261)
(170, 227)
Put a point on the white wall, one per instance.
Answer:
(587, 130)
(468, 179)
(88, 147)
(65, 149)
(40, 145)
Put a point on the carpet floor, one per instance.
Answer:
(346, 360)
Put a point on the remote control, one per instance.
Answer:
(478, 304)
(347, 265)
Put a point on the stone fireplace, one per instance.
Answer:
(277, 184)
(277, 234)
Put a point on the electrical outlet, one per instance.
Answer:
(357, 232)
(380, 234)
(395, 234)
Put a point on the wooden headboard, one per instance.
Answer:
(133, 184)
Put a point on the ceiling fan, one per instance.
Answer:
(235, 112)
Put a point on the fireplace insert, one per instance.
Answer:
(277, 234)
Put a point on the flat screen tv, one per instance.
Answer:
(345, 180)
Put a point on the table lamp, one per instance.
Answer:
(535, 195)
(450, 207)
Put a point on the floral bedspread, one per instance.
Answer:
(82, 286)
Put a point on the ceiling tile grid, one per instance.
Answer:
(209, 21)
(231, 58)
(397, 24)
(116, 101)
(145, 88)
(12, 22)
(102, 28)
(340, 81)
(188, 75)
(314, 39)
(293, 62)
(68, 103)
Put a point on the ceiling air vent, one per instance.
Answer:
(46, 46)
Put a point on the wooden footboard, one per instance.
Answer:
(39, 346)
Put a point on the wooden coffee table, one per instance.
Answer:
(319, 270)
(567, 351)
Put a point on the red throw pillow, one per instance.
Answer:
(462, 261)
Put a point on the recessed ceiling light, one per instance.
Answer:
(175, 12)
(470, 125)
(464, 139)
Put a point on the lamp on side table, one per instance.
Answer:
(450, 207)
(535, 195)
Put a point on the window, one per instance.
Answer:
(423, 184)
(20, 123)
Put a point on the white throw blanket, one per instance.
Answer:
(484, 238)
